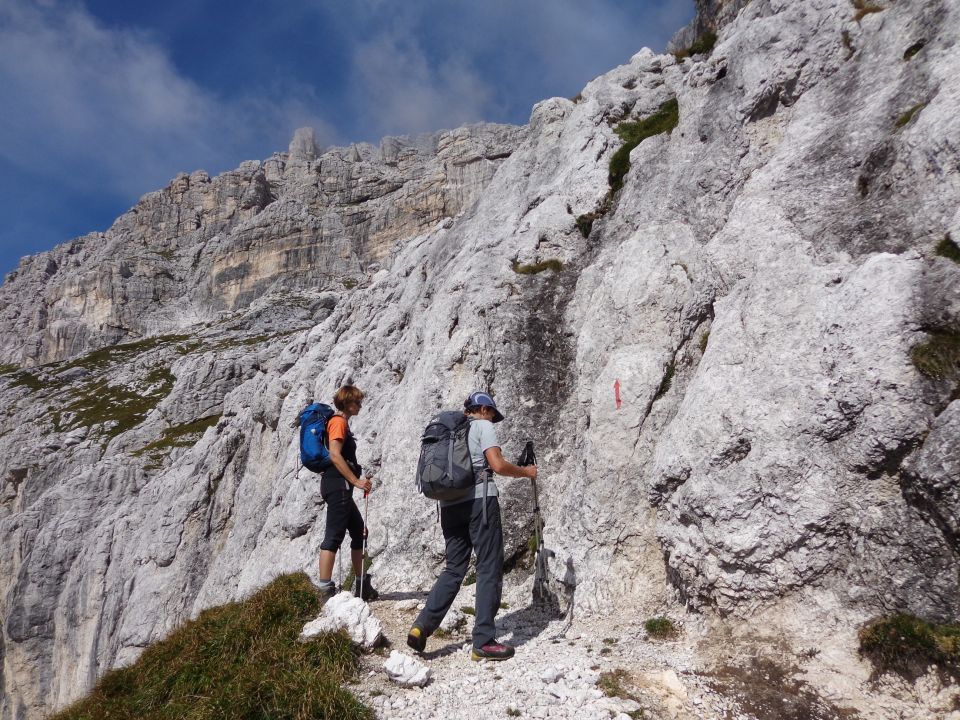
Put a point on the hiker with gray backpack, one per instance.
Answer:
(459, 454)
(328, 447)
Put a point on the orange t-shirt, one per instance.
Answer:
(337, 428)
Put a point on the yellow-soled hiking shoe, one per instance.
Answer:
(417, 639)
(492, 651)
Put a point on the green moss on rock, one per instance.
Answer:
(663, 120)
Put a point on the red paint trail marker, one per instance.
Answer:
(616, 392)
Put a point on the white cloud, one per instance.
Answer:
(86, 104)
(398, 91)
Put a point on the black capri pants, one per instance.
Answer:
(342, 515)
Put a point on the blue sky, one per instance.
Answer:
(103, 100)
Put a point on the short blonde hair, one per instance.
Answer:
(346, 395)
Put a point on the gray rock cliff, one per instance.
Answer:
(726, 365)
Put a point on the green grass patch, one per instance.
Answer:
(105, 357)
(666, 382)
(864, 8)
(236, 342)
(535, 268)
(471, 579)
(663, 120)
(660, 628)
(847, 43)
(704, 339)
(350, 283)
(190, 346)
(513, 712)
(176, 436)
(6, 369)
(585, 222)
(613, 683)
(116, 407)
(701, 46)
(913, 50)
(467, 610)
(240, 660)
(908, 115)
(907, 645)
(25, 378)
(350, 582)
(948, 248)
(938, 357)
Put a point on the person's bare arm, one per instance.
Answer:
(501, 466)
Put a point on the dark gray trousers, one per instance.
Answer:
(463, 531)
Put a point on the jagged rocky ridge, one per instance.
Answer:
(755, 291)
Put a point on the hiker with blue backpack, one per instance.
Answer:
(459, 454)
(327, 446)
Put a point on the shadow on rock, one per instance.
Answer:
(448, 649)
(413, 595)
(544, 608)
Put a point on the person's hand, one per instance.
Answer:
(365, 484)
(531, 471)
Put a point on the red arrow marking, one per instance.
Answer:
(616, 392)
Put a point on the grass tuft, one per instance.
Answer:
(666, 382)
(701, 46)
(908, 115)
(948, 248)
(913, 49)
(468, 610)
(585, 222)
(613, 683)
(663, 120)
(907, 646)
(938, 357)
(240, 660)
(848, 44)
(864, 8)
(660, 628)
(535, 268)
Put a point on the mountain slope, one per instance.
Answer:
(722, 363)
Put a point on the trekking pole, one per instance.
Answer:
(363, 556)
(529, 457)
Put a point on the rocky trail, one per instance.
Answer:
(611, 667)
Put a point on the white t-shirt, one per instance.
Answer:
(482, 437)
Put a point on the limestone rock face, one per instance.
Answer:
(736, 370)
(201, 246)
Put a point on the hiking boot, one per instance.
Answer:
(326, 589)
(368, 593)
(492, 651)
(417, 639)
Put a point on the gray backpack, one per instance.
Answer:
(445, 471)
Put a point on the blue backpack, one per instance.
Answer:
(313, 436)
